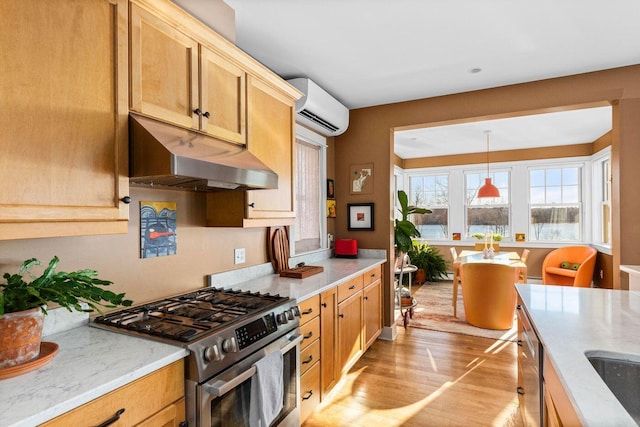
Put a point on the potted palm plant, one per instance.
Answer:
(404, 230)
(23, 305)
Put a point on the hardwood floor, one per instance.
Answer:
(427, 378)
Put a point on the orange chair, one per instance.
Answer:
(489, 295)
(553, 274)
(457, 280)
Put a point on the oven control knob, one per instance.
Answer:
(289, 315)
(212, 354)
(282, 318)
(295, 310)
(230, 345)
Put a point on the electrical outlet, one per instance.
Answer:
(239, 256)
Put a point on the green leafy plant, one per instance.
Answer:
(430, 260)
(405, 230)
(69, 290)
(496, 236)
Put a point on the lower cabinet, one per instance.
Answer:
(343, 322)
(154, 400)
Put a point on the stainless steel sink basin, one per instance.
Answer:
(621, 374)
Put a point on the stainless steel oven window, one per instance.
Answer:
(224, 400)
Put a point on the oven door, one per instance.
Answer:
(224, 400)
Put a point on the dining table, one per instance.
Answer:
(504, 257)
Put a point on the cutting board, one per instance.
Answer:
(279, 248)
(301, 272)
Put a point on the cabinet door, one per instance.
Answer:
(349, 332)
(164, 70)
(223, 89)
(372, 312)
(271, 139)
(63, 97)
(328, 340)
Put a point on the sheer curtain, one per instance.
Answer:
(307, 225)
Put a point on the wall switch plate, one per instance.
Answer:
(239, 256)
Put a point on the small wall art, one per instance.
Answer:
(360, 216)
(157, 229)
(520, 237)
(361, 178)
(331, 208)
(456, 236)
(331, 190)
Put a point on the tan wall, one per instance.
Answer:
(201, 250)
(369, 138)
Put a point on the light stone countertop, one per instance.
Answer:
(90, 363)
(571, 321)
(336, 271)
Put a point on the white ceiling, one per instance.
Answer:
(373, 52)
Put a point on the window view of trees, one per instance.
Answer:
(490, 215)
(431, 192)
(555, 204)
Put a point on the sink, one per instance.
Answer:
(621, 373)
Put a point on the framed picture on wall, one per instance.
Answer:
(361, 178)
(331, 191)
(360, 216)
(331, 208)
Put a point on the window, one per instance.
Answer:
(601, 201)
(309, 230)
(431, 192)
(487, 215)
(606, 203)
(555, 200)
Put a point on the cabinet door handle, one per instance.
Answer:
(252, 205)
(341, 315)
(304, 313)
(366, 298)
(198, 111)
(309, 335)
(519, 342)
(206, 114)
(126, 200)
(113, 419)
(352, 287)
(307, 396)
(308, 360)
(520, 390)
(324, 304)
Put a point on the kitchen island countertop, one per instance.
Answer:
(571, 321)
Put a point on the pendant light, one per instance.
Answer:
(488, 189)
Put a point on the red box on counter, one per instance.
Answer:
(346, 248)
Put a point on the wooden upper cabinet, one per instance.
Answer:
(272, 140)
(179, 80)
(63, 97)
(164, 70)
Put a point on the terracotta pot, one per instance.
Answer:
(20, 336)
(406, 302)
(420, 275)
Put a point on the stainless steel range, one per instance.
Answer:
(226, 333)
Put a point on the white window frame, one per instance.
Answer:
(409, 193)
(518, 200)
(509, 205)
(598, 180)
(313, 138)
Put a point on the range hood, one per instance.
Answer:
(164, 155)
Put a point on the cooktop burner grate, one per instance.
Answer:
(192, 315)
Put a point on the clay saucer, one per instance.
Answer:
(47, 351)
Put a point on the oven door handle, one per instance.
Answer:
(220, 387)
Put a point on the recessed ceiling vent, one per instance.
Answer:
(318, 110)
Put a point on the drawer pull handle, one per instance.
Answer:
(520, 390)
(308, 360)
(309, 335)
(307, 312)
(113, 419)
(373, 274)
(352, 287)
(307, 397)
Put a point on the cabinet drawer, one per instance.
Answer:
(140, 400)
(310, 332)
(349, 288)
(309, 356)
(309, 309)
(372, 275)
(309, 391)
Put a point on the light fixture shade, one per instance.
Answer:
(488, 189)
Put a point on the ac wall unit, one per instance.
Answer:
(318, 110)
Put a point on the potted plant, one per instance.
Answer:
(23, 305)
(431, 265)
(404, 231)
